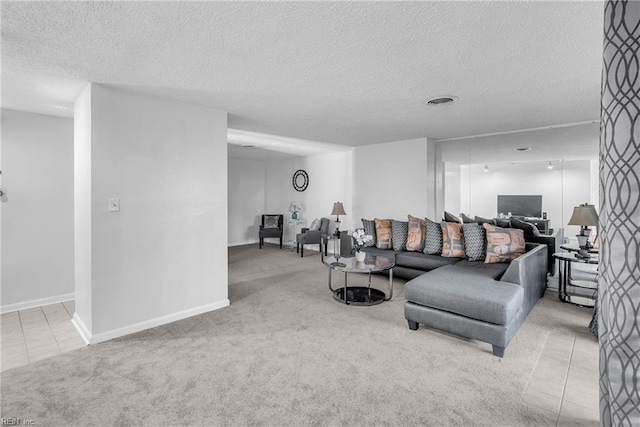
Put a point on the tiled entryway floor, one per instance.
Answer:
(37, 333)
(564, 383)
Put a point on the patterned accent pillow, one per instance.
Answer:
(369, 228)
(433, 241)
(503, 244)
(383, 233)
(450, 217)
(399, 235)
(417, 234)
(474, 241)
(452, 240)
(271, 221)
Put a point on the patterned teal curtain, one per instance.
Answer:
(619, 284)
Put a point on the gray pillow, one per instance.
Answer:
(475, 241)
(271, 221)
(399, 230)
(433, 241)
(528, 228)
(503, 223)
(466, 219)
(481, 220)
(315, 225)
(450, 217)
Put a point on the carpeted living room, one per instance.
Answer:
(319, 213)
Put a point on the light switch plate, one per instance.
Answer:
(114, 205)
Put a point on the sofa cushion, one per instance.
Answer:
(399, 231)
(452, 239)
(475, 241)
(433, 239)
(494, 271)
(502, 222)
(503, 244)
(528, 228)
(463, 292)
(481, 220)
(466, 219)
(422, 261)
(369, 226)
(449, 217)
(383, 233)
(416, 234)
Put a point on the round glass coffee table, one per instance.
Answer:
(360, 295)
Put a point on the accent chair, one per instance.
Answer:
(312, 237)
(271, 227)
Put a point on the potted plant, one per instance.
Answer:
(294, 208)
(359, 241)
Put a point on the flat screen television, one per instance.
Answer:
(527, 206)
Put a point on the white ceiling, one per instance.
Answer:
(344, 73)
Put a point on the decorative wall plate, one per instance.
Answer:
(300, 180)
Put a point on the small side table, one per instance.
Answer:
(293, 226)
(566, 259)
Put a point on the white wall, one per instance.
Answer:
(330, 180)
(37, 218)
(247, 181)
(391, 180)
(164, 255)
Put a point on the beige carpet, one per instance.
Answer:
(286, 353)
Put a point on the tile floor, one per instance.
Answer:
(37, 333)
(564, 383)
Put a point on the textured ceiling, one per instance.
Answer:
(345, 73)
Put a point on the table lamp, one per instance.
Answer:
(584, 215)
(338, 210)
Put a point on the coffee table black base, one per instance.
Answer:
(359, 295)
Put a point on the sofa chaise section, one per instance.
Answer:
(476, 301)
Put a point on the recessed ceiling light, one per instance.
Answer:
(441, 100)
(486, 168)
(522, 149)
(550, 165)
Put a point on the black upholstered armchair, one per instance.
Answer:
(312, 237)
(271, 227)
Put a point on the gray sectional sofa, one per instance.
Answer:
(487, 302)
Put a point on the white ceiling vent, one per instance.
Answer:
(441, 100)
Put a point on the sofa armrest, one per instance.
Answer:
(529, 271)
(551, 243)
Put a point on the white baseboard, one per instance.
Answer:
(247, 242)
(81, 328)
(36, 303)
(147, 324)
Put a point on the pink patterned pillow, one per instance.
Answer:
(452, 240)
(503, 244)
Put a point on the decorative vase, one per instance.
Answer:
(294, 215)
(360, 256)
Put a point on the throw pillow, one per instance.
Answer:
(315, 225)
(528, 228)
(369, 228)
(474, 241)
(416, 235)
(271, 221)
(466, 219)
(399, 235)
(503, 223)
(503, 244)
(450, 217)
(452, 240)
(383, 233)
(481, 220)
(433, 241)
